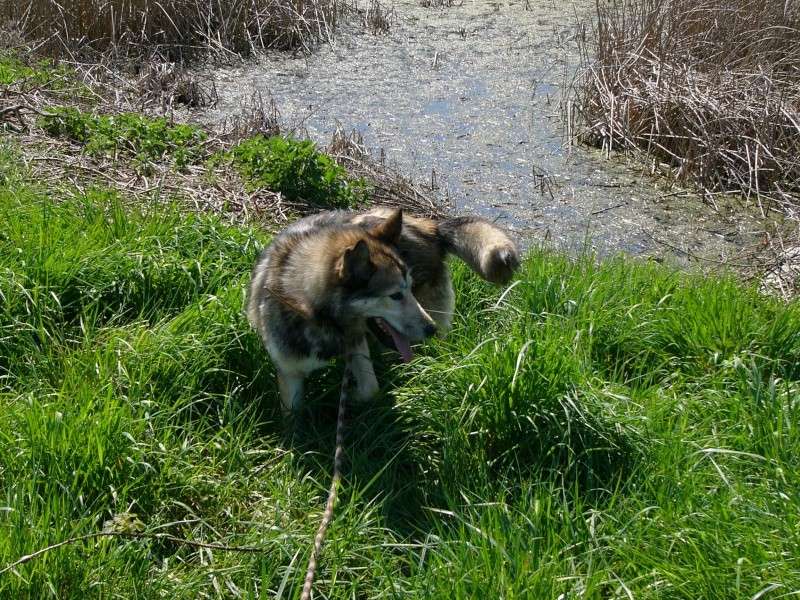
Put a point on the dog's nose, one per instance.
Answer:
(430, 330)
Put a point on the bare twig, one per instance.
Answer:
(124, 534)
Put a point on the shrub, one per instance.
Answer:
(298, 171)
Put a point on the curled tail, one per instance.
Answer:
(482, 245)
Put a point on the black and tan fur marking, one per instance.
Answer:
(325, 278)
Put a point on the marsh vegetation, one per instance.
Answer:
(710, 90)
(176, 29)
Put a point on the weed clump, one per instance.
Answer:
(147, 139)
(298, 171)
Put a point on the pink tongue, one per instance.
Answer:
(400, 342)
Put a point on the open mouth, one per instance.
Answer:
(391, 338)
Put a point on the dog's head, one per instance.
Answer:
(377, 287)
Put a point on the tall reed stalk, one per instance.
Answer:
(710, 89)
(174, 28)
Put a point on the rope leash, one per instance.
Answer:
(327, 516)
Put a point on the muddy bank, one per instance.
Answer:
(472, 93)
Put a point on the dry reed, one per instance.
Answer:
(709, 90)
(388, 187)
(172, 29)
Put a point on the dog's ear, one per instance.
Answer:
(389, 230)
(355, 265)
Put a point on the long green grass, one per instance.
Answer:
(611, 430)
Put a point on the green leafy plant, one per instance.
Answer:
(147, 139)
(43, 72)
(298, 171)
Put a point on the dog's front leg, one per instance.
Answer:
(361, 366)
(291, 388)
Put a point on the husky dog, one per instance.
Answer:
(328, 279)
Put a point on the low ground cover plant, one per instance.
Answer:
(147, 139)
(599, 430)
(42, 73)
(296, 169)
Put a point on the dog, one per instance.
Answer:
(328, 280)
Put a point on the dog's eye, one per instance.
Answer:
(396, 296)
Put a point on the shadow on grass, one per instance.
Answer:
(381, 461)
(396, 458)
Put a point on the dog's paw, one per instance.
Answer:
(500, 263)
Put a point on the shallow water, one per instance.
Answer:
(472, 92)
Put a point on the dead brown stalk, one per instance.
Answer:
(171, 30)
(710, 90)
(705, 92)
